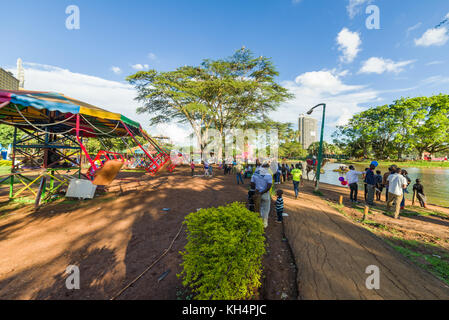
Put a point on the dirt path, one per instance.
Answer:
(113, 238)
(332, 254)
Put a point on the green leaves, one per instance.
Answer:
(407, 126)
(223, 257)
(222, 93)
(6, 135)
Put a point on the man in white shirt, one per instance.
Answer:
(353, 179)
(396, 185)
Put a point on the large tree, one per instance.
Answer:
(403, 128)
(432, 135)
(219, 94)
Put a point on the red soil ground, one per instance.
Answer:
(115, 237)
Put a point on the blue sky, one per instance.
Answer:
(322, 48)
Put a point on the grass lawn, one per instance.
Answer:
(425, 255)
(417, 164)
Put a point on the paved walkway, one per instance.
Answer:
(332, 254)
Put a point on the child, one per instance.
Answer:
(192, 167)
(418, 190)
(280, 206)
(206, 169)
(210, 170)
(379, 187)
(251, 202)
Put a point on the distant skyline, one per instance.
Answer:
(322, 49)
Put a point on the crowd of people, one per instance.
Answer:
(263, 179)
(395, 182)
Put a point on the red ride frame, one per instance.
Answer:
(167, 157)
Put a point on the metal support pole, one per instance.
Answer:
(320, 152)
(13, 162)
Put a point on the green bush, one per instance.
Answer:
(223, 256)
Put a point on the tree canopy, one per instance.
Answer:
(219, 94)
(408, 126)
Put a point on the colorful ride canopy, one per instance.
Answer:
(56, 113)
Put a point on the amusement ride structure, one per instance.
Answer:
(51, 131)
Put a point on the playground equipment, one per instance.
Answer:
(52, 147)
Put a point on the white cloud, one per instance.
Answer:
(152, 56)
(416, 26)
(310, 88)
(436, 80)
(380, 65)
(355, 5)
(139, 66)
(433, 37)
(432, 63)
(110, 95)
(349, 44)
(116, 70)
(324, 82)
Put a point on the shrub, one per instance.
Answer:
(223, 256)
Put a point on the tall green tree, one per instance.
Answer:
(432, 135)
(407, 126)
(219, 94)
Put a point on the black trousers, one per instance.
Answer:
(354, 191)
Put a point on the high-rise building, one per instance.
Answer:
(8, 81)
(308, 131)
(20, 73)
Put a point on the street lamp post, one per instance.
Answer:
(320, 152)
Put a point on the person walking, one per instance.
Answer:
(284, 173)
(379, 187)
(396, 185)
(280, 206)
(297, 178)
(405, 174)
(210, 170)
(370, 184)
(364, 182)
(192, 167)
(251, 199)
(353, 180)
(262, 181)
(391, 170)
(206, 169)
(418, 192)
(277, 175)
(238, 173)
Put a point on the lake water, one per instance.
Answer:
(435, 181)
